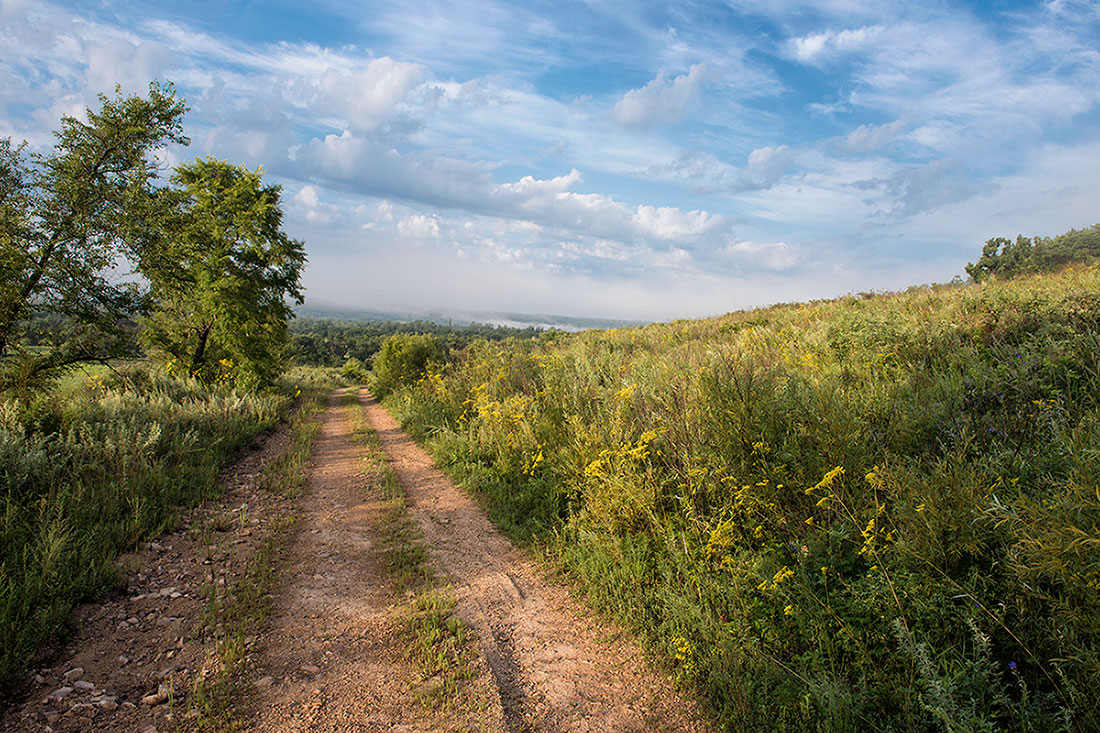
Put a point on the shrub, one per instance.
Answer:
(403, 360)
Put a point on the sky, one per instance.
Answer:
(637, 160)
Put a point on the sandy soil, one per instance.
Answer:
(334, 656)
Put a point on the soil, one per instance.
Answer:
(333, 654)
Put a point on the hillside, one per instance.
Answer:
(866, 513)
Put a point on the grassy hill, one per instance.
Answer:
(877, 513)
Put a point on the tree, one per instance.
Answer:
(1003, 258)
(221, 284)
(70, 219)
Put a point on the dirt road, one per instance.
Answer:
(334, 652)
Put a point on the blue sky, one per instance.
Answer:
(632, 160)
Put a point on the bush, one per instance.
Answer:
(403, 360)
(354, 371)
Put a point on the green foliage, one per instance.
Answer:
(868, 513)
(222, 281)
(66, 219)
(403, 359)
(326, 342)
(354, 371)
(93, 469)
(1003, 258)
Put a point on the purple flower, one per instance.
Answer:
(1012, 666)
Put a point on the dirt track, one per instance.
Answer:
(555, 668)
(332, 656)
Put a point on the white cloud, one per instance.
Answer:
(419, 226)
(369, 97)
(313, 208)
(771, 255)
(113, 61)
(811, 47)
(808, 47)
(707, 174)
(869, 138)
(667, 222)
(767, 165)
(661, 100)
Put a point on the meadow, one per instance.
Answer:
(94, 466)
(880, 512)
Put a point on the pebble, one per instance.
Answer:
(310, 668)
(83, 685)
(59, 694)
(264, 682)
(75, 673)
(155, 699)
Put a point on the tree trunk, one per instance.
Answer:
(200, 350)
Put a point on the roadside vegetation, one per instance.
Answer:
(93, 468)
(871, 513)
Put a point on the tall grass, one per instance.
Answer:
(93, 469)
(874, 513)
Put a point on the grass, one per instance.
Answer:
(436, 641)
(93, 468)
(871, 513)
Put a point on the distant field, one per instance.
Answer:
(870, 513)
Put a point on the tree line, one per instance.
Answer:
(1005, 258)
(96, 245)
(330, 343)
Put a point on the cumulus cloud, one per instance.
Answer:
(419, 226)
(370, 97)
(668, 222)
(664, 99)
(314, 210)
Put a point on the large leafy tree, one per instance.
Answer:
(71, 222)
(222, 283)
